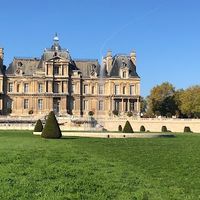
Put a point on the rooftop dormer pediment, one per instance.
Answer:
(58, 59)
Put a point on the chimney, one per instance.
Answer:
(133, 57)
(1, 56)
(109, 60)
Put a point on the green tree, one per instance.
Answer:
(162, 100)
(128, 128)
(38, 126)
(189, 101)
(143, 105)
(51, 129)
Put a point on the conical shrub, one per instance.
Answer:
(38, 126)
(187, 129)
(128, 128)
(51, 129)
(120, 128)
(164, 129)
(142, 128)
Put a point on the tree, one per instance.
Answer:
(128, 128)
(38, 126)
(51, 129)
(189, 101)
(162, 100)
(143, 105)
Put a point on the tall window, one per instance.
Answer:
(124, 89)
(116, 89)
(18, 85)
(132, 90)
(85, 104)
(56, 87)
(93, 89)
(124, 74)
(85, 89)
(25, 87)
(40, 104)
(56, 70)
(73, 88)
(40, 87)
(100, 106)
(72, 104)
(10, 87)
(101, 89)
(26, 103)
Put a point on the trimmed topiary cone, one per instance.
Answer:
(164, 129)
(142, 128)
(38, 126)
(51, 129)
(128, 128)
(187, 129)
(120, 128)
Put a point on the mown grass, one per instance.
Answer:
(92, 168)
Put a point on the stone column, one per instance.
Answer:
(113, 104)
(61, 69)
(122, 105)
(138, 105)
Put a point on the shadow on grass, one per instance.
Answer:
(167, 136)
(69, 138)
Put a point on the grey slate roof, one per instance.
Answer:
(85, 65)
(120, 61)
(27, 65)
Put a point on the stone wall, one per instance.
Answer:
(111, 124)
(152, 124)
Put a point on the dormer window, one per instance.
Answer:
(19, 64)
(93, 72)
(124, 74)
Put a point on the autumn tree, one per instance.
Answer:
(143, 105)
(189, 101)
(161, 100)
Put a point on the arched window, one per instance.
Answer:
(124, 90)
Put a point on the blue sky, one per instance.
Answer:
(164, 33)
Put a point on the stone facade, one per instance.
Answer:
(35, 86)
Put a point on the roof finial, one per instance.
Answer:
(56, 39)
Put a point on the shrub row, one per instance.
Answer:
(142, 128)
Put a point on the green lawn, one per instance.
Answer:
(92, 168)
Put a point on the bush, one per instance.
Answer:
(169, 115)
(164, 129)
(51, 129)
(128, 128)
(120, 128)
(142, 128)
(91, 113)
(38, 126)
(30, 112)
(129, 114)
(115, 112)
(187, 129)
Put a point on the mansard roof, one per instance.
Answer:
(27, 65)
(123, 61)
(86, 65)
